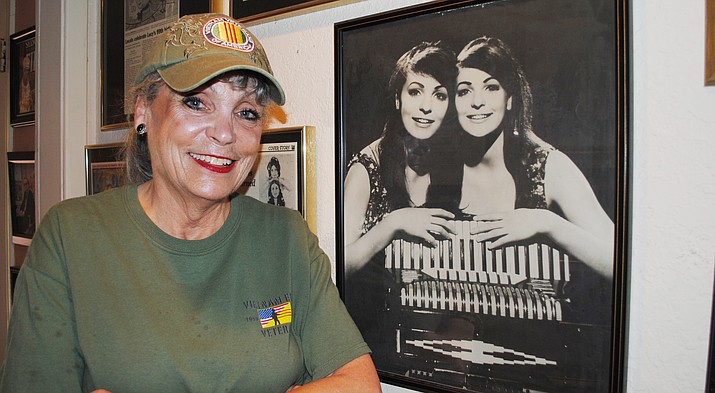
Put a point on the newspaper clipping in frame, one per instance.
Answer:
(143, 20)
(274, 177)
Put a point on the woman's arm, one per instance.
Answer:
(423, 223)
(357, 376)
(585, 231)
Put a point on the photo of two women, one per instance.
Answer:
(479, 195)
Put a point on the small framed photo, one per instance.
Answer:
(22, 77)
(284, 172)
(21, 168)
(104, 167)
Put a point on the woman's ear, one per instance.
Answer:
(508, 104)
(140, 110)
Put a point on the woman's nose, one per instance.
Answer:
(222, 132)
(426, 105)
(477, 101)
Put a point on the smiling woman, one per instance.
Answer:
(174, 283)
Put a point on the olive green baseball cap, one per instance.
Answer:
(199, 47)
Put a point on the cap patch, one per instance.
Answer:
(227, 33)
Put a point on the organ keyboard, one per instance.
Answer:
(507, 296)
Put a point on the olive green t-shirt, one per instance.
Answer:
(105, 299)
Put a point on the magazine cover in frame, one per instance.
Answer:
(483, 201)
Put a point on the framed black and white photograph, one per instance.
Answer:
(247, 10)
(284, 172)
(22, 77)
(128, 28)
(104, 167)
(21, 171)
(482, 199)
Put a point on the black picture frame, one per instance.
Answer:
(104, 167)
(21, 173)
(248, 10)
(575, 55)
(22, 77)
(290, 151)
(112, 79)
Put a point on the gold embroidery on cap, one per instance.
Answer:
(186, 33)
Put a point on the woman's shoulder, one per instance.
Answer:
(90, 204)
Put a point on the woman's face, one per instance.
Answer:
(274, 172)
(202, 143)
(275, 190)
(481, 101)
(423, 105)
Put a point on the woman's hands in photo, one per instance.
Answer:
(427, 224)
(513, 226)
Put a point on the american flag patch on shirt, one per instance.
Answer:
(276, 315)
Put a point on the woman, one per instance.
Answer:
(275, 195)
(166, 285)
(390, 189)
(273, 169)
(518, 187)
(395, 188)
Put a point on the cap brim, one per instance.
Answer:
(192, 73)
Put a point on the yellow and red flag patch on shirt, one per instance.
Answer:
(276, 315)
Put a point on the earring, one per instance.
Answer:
(516, 133)
(141, 129)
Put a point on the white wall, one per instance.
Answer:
(673, 225)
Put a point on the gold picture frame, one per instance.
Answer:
(290, 152)
(710, 43)
(250, 10)
(104, 167)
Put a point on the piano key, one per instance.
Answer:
(545, 261)
(533, 256)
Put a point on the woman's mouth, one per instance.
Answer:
(213, 163)
(478, 116)
(421, 121)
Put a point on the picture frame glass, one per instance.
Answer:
(283, 173)
(104, 167)
(22, 77)
(128, 27)
(441, 308)
(21, 168)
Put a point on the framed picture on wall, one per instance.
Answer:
(22, 77)
(482, 151)
(710, 43)
(104, 167)
(245, 10)
(284, 172)
(128, 26)
(21, 171)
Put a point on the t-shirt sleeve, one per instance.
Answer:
(329, 336)
(42, 353)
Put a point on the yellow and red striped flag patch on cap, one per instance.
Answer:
(228, 33)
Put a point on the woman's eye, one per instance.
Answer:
(414, 92)
(441, 96)
(193, 102)
(462, 92)
(494, 87)
(249, 114)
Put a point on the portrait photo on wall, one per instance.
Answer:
(21, 168)
(284, 171)
(481, 198)
(104, 167)
(22, 77)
